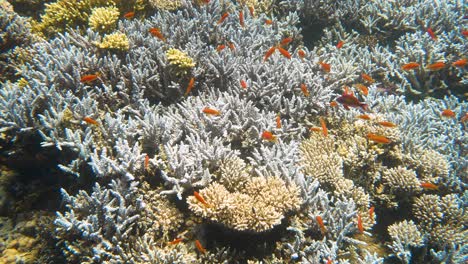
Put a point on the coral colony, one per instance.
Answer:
(246, 131)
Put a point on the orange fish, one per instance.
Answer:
(410, 66)
(129, 15)
(267, 135)
(252, 11)
(364, 90)
(200, 199)
(223, 17)
(200, 247)
(333, 104)
(190, 86)
(429, 186)
(269, 53)
(175, 241)
(301, 54)
(91, 121)
(371, 212)
(347, 99)
(378, 138)
(211, 111)
(278, 121)
(340, 44)
(431, 33)
(241, 18)
(286, 41)
(329, 261)
(464, 118)
(243, 84)
(325, 66)
(157, 33)
(268, 21)
(220, 47)
(464, 33)
(436, 66)
(365, 117)
(460, 63)
(448, 113)
(284, 52)
(359, 224)
(304, 90)
(387, 124)
(89, 78)
(231, 46)
(321, 224)
(315, 129)
(367, 78)
(324, 127)
(147, 158)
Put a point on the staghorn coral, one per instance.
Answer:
(405, 235)
(115, 41)
(103, 19)
(257, 207)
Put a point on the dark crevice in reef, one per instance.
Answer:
(311, 33)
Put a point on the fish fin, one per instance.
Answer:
(346, 107)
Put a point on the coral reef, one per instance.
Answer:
(217, 131)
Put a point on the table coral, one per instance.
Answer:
(259, 206)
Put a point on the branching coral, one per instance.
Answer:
(258, 207)
(115, 41)
(180, 60)
(405, 235)
(103, 19)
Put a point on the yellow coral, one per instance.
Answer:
(103, 19)
(180, 60)
(116, 41)
(169, 5)
(258, 207)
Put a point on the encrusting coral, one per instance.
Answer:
(259, 206)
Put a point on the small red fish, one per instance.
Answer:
(460, 63)
(304, 90)
(387, 124)
(364, 90)
(200, 247)
(324, 127)
(241, 18)
(223, 17)
(367, 78)
(200, 199)
(231, 46)
(429, 186)
(333, 104)
(371, 212)
(147, 158)
(190, 86)
(349, 100)
(436, 66)
(90, 121)
(448, 113)
(410, 66)
(321, 224)
(340, 44)
(301, 54)
(220, 47)
(378, 138)
(464, 33)
(243, 84)
(315, 129)
(431, 33)
(278, 121)
(175, 241)
(268, 21)
(252, 11)
(129, 15)
(364, 117)
(157, 33)
(211, 111)
(464, 118)
(286, 41)
(284, 52)
(359, 224)
(329, 261)
(267, 135)
(269, 53)
(89, 78)
(325, 66)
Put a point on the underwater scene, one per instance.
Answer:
(234, 131)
